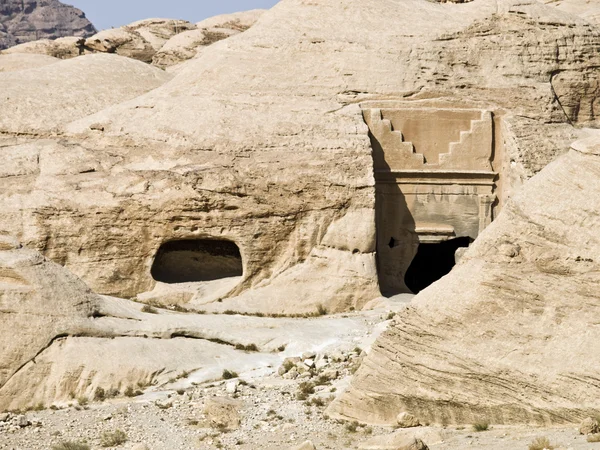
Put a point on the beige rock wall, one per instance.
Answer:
(39, 301)
(261, 141)
(507, 337)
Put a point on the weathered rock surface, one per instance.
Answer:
(491, 341)
(39, 301)
(589, 426)
(186, 45)
(261, 140)
(12, 63)
(139, 40)
(29, 20)
(588, 9)
(63, 48)
(41, 99)
(223, 412)
(308, 445)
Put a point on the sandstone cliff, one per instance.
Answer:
(508, 336)
(256, 155)
(29, 20)
(261, 140)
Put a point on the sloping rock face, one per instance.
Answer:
(261, 141)
(46, 97)
(39, 301)
(507, 337)
(11, 63)
(29, 20)
(186, 45)
(589, 10)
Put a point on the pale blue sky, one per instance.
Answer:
(114, 13)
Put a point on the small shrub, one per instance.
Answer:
(541, 443)
(390, 315)
(321, 310)
(38, 407)
(181, 391)
(352, 427)
(83, 400)
(230, 312)
(112, 392)
(183, 374)
(317, 401)
(113, 439)
(149, 309)
(131, 392)
(288, 365)
(481, 426)
(229, 374)
(323, 381)
(246, 348)
(70, 445)
(304, 390)
(99, 394)
(281, 348)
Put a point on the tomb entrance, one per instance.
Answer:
(435, 183)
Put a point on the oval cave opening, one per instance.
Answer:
(432, 262)
(196, 260)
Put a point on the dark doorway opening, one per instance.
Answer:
(196, 260)
(432, 262)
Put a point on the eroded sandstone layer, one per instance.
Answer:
(29, 20)
(507, 337)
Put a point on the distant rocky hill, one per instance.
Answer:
(29, 20)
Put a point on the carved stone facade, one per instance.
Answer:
(434, 180)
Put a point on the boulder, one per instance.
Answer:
(490, 340)
(589, 426)
(406, 420)
(187, 44)
(223, 412)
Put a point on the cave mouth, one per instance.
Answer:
(195, 260)
(432, 262)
